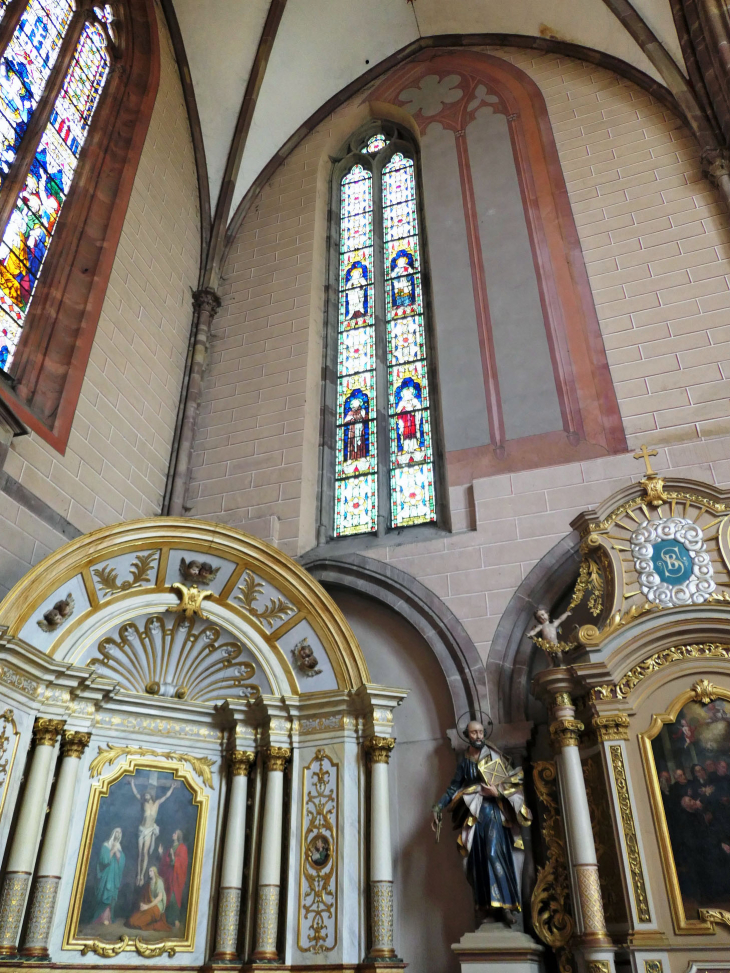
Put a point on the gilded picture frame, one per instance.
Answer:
(682, 924)
(74, 937)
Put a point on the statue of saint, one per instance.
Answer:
(488, 808)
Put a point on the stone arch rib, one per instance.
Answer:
(456, 653)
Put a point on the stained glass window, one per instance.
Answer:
(407, 456)
(24, 71)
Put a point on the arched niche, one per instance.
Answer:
(121, 589)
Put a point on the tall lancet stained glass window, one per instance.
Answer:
(379, 211)
(38, 161)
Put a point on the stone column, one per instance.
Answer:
(229, 899)
(593, 942)
(53, 852)
(381, 858)
(27, 834)
(267, 906)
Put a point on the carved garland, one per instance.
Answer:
(551, 906)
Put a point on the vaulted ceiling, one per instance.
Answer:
(323, 45)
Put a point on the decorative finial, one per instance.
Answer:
(652, 483)
(644, 454)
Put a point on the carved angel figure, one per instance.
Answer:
(54, 617)
(197, 572)
(547, 628)
(305, 659)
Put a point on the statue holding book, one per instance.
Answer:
(488, 810)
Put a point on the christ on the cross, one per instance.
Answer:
(148, 829)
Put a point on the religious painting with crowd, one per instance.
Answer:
(142, 849)
(692, 760)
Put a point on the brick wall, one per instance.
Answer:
(118, 451)
(657, 250)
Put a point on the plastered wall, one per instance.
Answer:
(655, 243)
(118, 451)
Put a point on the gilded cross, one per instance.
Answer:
(644, 454)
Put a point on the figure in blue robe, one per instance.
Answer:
(488, 818)
(109, 871)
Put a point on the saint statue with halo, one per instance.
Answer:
(488, 810)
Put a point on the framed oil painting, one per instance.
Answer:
(687, 760)
(138, 874)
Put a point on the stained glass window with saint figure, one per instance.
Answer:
(41, 159)
(382, 197)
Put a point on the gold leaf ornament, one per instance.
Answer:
(202, 766)
(105, 950)
(140, 572)
(191, 599)
(590, 579)
(704, 691)
(277, 608)
(152, 950)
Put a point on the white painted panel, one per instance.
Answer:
(321, 46)
(220, 37)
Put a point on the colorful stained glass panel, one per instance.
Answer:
(412, 498)
(375, 144)
(29, 231)
(357, 351)
(398, 180)
(407, 342)
(400, 220)
(410, 436)
(24, 70)
(356, 508)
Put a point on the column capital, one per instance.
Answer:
(276, 757)
(206, 299)
(240, 761)
(74, 743)
(611, 726)
(47, 732)
(566, 732)
(379, 748)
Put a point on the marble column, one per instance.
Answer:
(53, 852)
(229, 899)
(381, 858)
(27, 834)
(267, 906)
(593, 943)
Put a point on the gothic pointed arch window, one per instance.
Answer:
(77, 85)
(383, 475)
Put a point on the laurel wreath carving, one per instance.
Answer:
(251, 589)
(202, 766)
(140, 573)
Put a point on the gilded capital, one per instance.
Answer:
(240, 761)
(612, 726)
(73, 743)
(276, 757)
(566, 733)
(47, 731)
(379, 749)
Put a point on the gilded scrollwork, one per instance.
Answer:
(657, 661)
(276, 610)
(629, 829)
(191, 599)
(105, 950)
(318, 874)
(176, 661)
(551, 906)
(590, 581)
(704, 691)
(202, 766)
(140, 573)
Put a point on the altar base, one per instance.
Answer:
(493, 948)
